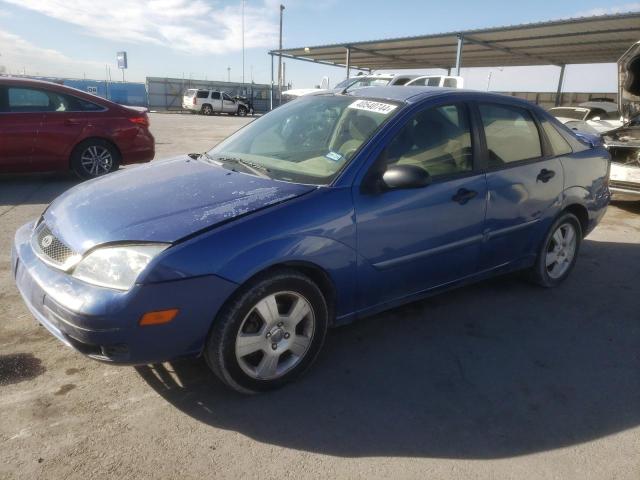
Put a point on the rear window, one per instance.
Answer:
(511, 134)
(190, 93)
(203, 94)
(572, 113)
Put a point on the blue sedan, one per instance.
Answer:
(328, 209)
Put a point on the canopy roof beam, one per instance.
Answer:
(508, 50)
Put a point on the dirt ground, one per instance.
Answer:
(497, 380)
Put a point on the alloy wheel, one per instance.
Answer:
(275, 335)
(96, 160)
(561, 250)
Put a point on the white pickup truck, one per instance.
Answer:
(209, 102)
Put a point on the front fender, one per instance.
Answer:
(317, 229)
(335, 259)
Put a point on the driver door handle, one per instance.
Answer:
(545, 175)
(463, 196)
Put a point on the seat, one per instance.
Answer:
(359, 128)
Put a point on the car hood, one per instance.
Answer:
(160, 202)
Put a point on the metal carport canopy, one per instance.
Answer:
(597, 39)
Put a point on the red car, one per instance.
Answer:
(48, 127)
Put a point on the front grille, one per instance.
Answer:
(51, 250)
(626, 185)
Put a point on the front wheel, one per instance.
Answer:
(558, 253)
(242, 111)
(269, 334)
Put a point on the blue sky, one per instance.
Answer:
(201, 38)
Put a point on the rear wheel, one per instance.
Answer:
(558, 253)
(207, 110)
(94, 158)
(269, 334)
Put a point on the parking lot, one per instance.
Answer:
(498, 380)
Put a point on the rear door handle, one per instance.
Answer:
(463, 196)
(545, 175)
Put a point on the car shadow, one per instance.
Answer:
(631, 207)
(33, 189)
(498, 369)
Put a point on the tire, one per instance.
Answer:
(94, 158)
(242, 111)
(254, 352)
(558, 253)
(207, 110)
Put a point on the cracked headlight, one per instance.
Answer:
(116, 266)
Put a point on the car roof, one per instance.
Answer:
(411, 94)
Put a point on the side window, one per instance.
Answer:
(450, 82)
(28, 100)
(433, 82)
(76, 104)
(215, 95)
(558, 144)
(203, 94)
(226, 97)
(419, 82)
(437, 140)
(511, 134)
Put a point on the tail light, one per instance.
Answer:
(142, 120)
(195, 100)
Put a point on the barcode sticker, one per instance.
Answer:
(377, 107)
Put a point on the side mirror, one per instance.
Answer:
(405, 176)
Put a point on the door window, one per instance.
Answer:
(28, 100)
(437, 140)
(203, 94)
(215, 95)
(511, 134)
(226, 97)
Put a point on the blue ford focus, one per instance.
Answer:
(328, 209)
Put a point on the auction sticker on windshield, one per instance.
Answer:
(377, 107)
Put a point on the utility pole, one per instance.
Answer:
(229, 74)
(242, 42)
(280, 56)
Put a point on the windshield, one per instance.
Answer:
(573, 113)
(306, 141)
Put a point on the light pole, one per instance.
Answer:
(229, 74)
(280, 57)
(243, 42)
(490, 75)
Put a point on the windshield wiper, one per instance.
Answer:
(254, 168)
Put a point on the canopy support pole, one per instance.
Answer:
(560, 82)
(459, 54)
(348, 62)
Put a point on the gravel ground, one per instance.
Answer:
(497, 380)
